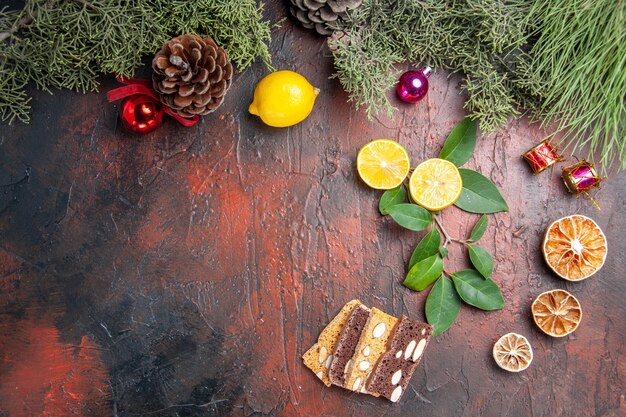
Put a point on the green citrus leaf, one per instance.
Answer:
(424, 273)
(443, 251)
(410, 216)
(477, 291)
(481, 259)
(428, 246)
(442, 305)
(391, 198)
(479, 228)
(460, 143)
(479, 194)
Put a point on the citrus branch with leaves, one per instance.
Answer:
(426, 266)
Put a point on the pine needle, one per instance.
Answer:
(578, 65)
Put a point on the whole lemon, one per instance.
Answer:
(283, 98)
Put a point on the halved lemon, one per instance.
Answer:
(574, 247)
(512, 352)
(435, 184)
(383, 164)
(557, 312)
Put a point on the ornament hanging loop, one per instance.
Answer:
(595, 203)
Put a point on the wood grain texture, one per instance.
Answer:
(185, 272)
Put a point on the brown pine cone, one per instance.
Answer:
(321, 14)
(191, 74)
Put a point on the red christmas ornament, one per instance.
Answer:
(142, 109)
(413, 85)
(141, 114)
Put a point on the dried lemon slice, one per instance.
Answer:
(512, 352)
(383, 164)
(435, 184)
(557, 312)
(574, 247)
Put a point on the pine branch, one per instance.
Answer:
(21, 22)
(68, 44)
(14, 102)
(86, 4)
(467, 35)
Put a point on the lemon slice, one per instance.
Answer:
(512, 352)
(435, 184)
(383, 164)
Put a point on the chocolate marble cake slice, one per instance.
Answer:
(347, 344)
(372, 345)
(405, 349)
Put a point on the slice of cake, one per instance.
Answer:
(347, 344)
(405, 349)
(319, 357)
(372, 344)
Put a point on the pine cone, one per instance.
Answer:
(191, 74)
(321, 14)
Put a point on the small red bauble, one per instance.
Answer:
(141, 114)
(413, 85)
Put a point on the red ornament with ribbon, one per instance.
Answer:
(142, 110)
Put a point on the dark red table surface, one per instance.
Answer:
(183, 273)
